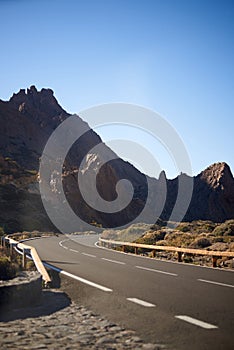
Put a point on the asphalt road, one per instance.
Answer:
(180, 305)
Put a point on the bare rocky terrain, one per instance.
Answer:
(60, 323)
(30, 117)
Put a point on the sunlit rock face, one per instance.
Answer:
(213, 196)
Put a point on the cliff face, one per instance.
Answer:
(213, 196)
(27, 121)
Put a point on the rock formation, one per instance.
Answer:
(27, 121)
(213, 195)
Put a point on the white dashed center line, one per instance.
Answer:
(153, 270)
(141, 302)
(90, 255)
(218, 283)
(196, 322)
(73, 250)
(114, 261)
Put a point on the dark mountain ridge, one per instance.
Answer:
(27, 121)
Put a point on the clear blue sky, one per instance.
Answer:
(174, 56)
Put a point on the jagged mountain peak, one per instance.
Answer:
(31, 91)
(217, 174)
(30, 98)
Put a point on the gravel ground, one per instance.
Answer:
(59, 323)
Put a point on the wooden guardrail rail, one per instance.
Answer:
(215, 254)
(25, 249)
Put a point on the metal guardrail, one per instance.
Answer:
(25, 250)
(180, 251)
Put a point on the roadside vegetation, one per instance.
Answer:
(197, 234)
(11, 264)
(33, 234)
(8, 266)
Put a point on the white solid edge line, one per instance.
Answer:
(83, 280)
(196, 322)
(90, 255)
(153, 270)
(217, 283)
(114, 261)
(141, 302)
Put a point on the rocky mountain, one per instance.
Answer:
(213, 195)
(27, 121)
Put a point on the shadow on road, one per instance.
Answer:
(62, 262)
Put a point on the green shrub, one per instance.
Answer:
(152, 237)
(217, 239)
(184, 227)
(201, 243)
(30, 265)
(8, 270)
(187, 258)
(179, 239)
(155, 227)
(2, 233)
(225, 229)
(197, 226)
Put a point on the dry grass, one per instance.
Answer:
(197, 234)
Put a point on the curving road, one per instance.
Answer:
(182, 306)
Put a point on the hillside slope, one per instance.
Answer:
(27, 121)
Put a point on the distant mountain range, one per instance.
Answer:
(28, 119)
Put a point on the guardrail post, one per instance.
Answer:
(214, 260)
(136, 249)
(3, 241)
(179, 254)
(24, 259)
(153, 253)
(11, 250)
(123, 248)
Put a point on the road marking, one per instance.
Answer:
(73, 250)
(83, 280)
(65, 247)
(141, 302)
(90, 255)
(114, 261)
(218, 283)
(61, 242)
(196, 322)
(159, 271)
(161, 260)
